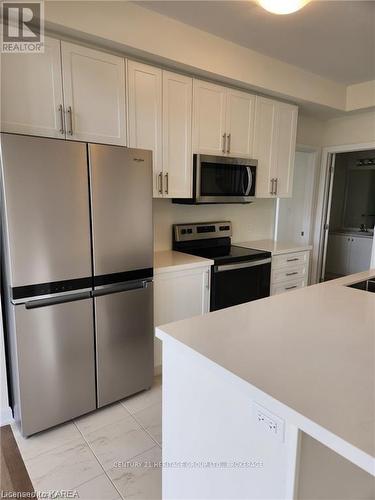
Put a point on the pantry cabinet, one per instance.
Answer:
(94, 95)
(32, 92)
(77, 94)
(223, 120)
(275, 132)
(160, 113)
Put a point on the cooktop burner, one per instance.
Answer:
(212, 241)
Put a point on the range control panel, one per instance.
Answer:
(202, 230)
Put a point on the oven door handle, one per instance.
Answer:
(250, 181)
(241, 265)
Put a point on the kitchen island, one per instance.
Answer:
(274, 398)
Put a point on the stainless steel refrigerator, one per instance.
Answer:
(77, 268)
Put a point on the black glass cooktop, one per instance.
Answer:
(227, 253)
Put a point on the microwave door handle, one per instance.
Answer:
(250, 181)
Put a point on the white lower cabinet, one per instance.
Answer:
(180, 295)
(289, 272)
(347, 254)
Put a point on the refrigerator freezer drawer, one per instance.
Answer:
(55, 346)
(125, 343)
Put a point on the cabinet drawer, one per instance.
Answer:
(288, 286)
(288, 273)
(290, 260)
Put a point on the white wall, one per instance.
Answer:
(250, 222)
(351, 129)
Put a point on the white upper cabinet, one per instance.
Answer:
(31, 92)
(94, 91)
(240, 112)
(265, 146)
(286, 148)
(159, 116)
(177, 150)
(223, 120)
(145, 114)
(209, 118)
(275, 131)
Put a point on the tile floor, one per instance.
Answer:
(89, 454)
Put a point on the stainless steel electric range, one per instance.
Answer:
(238, 275)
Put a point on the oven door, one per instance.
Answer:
(224, 180)
(239, 282)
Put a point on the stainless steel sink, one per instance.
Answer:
(367, 285)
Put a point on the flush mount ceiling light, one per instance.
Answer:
(282, 6)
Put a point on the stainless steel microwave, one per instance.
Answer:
(222, 179)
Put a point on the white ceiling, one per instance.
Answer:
(334, 39)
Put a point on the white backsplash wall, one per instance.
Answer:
(252, 221)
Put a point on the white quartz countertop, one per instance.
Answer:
(169, 260)
(275, 247)
(312, 349)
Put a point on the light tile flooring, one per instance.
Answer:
(110, 454)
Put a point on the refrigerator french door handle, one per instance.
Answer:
(61, 299)
(121, 287)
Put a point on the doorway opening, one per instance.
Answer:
(349, 215)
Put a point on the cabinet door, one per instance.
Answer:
(177, 154)
(360, 254)
(286, 130)
(265, 145)
(31, 92)
(145, 115)
(240, 112)
(337, 261)
(94, 95)
(209, 118)
(181, 294)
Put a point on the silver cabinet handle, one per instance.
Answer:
(291, 274)
(166, 183)
(228, 147)
(272, 186)
(292, 260)
(61, 110)
(160, 182)
(224, 142)
(290, 287)
(276, 182)
(70, 113)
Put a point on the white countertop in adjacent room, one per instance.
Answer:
(170, 260)
(313, 350)
(275, 247)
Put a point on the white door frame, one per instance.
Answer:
(322, 200)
